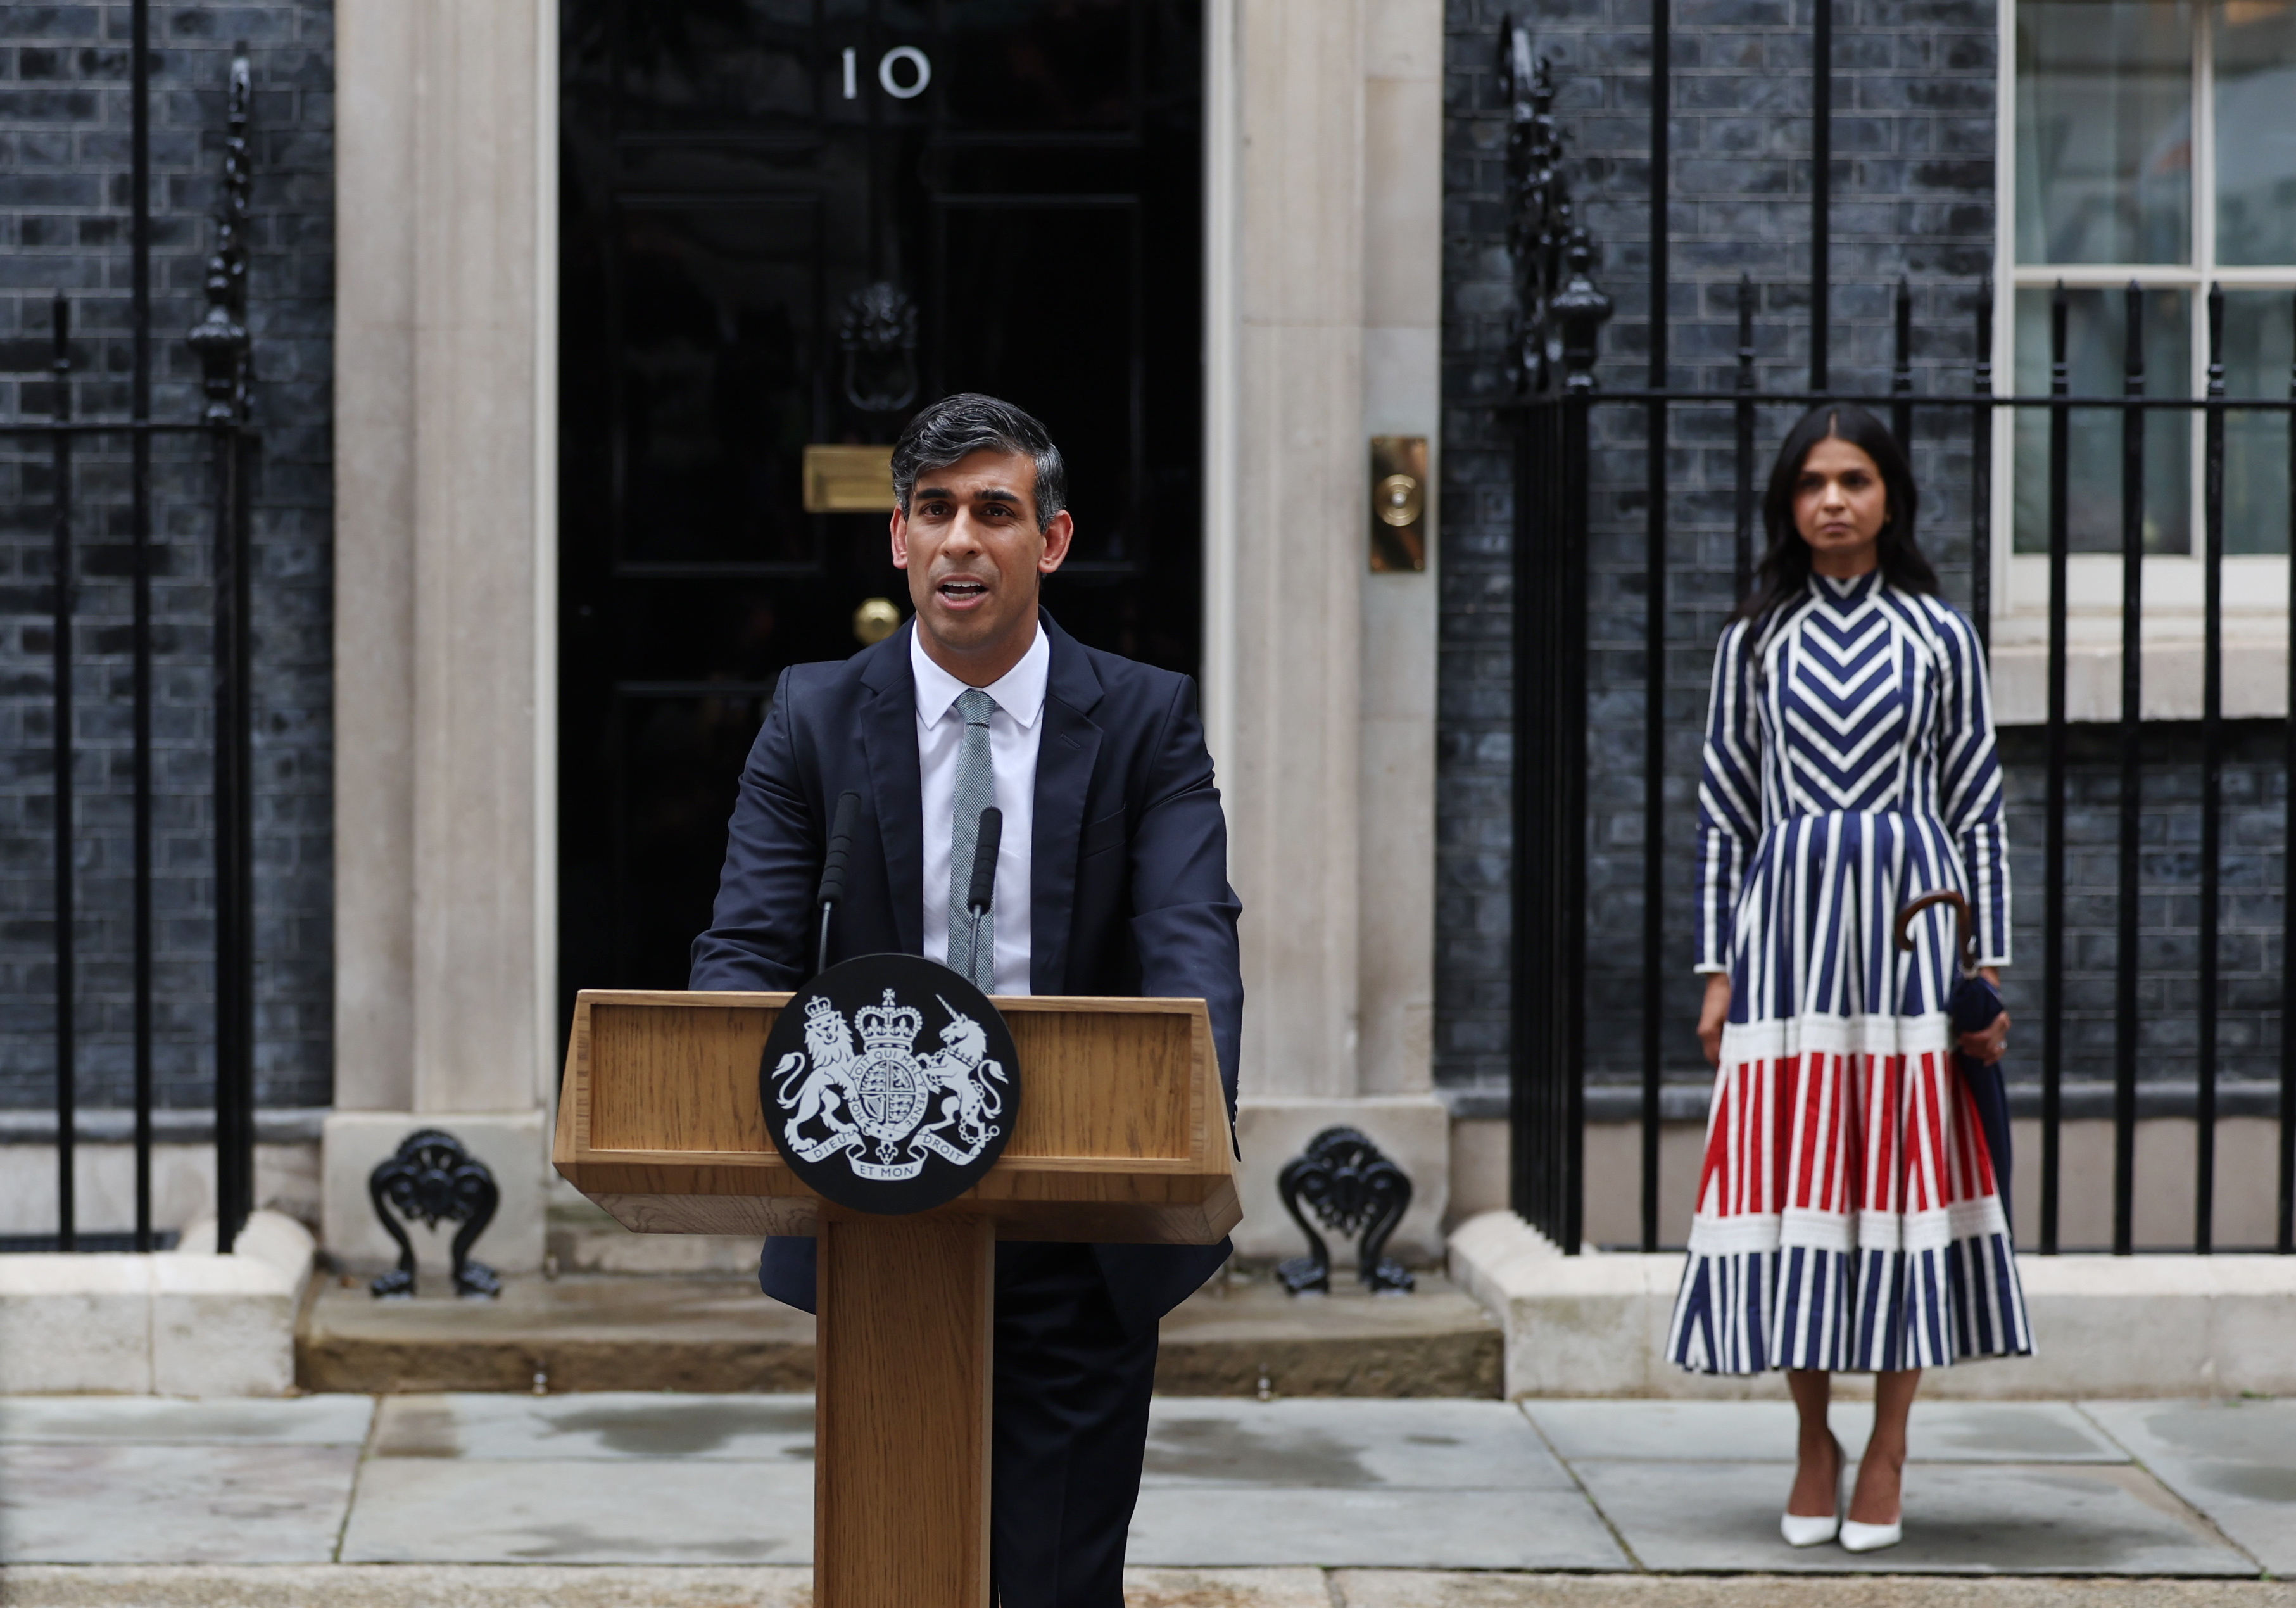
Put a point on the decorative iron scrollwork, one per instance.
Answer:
(1352, 1186)
(220, 340)
(433, 1178)
(1559, 311)
(878, 339)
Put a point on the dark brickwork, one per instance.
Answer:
(1912, 137)
(64, 225)
(2168, 868)
(1912, 181)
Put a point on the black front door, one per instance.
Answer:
(786, 225)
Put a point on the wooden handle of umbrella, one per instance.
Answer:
(1965, 937)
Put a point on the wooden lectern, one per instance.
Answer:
(1122, 1135)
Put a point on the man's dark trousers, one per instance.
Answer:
(1070, 1427)
(1128, 897)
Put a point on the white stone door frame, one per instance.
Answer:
(446, 582)
(1323, 313)
(1322, 188)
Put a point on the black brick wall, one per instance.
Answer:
(1912, 181)
(2253, 868)
(1912, 135)
(1911, 195)
(64, 203)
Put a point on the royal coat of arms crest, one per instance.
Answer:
(858, 1095)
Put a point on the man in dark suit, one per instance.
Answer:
(1111, 879)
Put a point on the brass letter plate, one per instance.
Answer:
(1399, 505)
(848, 479)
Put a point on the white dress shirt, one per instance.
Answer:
(1016, 730)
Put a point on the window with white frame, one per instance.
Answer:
(2151, 141)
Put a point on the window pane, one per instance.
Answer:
(2256, 131)
(2094, 328)
(2104, 103)
(2257, 354)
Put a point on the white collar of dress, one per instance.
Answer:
(1845, 592)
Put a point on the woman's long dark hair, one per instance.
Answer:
(1784, 573)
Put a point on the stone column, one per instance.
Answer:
(445, 543)
(1326, 271)
(374, 556)
(1403, 272)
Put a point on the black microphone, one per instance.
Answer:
(984, 879)
(984, 860)
(833, 867)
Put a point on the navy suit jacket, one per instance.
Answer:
(1128, 872)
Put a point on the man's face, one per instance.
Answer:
(974, 555)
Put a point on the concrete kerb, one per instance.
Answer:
(706, 1586)
(1595, 1323)
(172, 1323)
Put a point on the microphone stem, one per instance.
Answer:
(821, 953)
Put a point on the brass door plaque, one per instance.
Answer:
(1399, 505)
(840, 479)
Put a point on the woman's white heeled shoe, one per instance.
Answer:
(1869, 1538)
(1800, 1531)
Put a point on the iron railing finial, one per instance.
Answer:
(1559, 312)
(220, 340)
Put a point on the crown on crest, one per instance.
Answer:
(818, 1008)
(890, 1026)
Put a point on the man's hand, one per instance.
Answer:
(1988, 1047)
(1712, 1014)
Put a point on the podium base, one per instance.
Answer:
(907, 1309)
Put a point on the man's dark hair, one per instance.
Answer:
(955, 427)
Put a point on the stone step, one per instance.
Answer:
(582, 1332)
(1239, 1336)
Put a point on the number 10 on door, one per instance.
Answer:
(889, 75)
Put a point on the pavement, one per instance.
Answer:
(633, 1498)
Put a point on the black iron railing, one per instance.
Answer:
(222, 346)
(1561, 313)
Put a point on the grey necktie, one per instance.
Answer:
(976, 791)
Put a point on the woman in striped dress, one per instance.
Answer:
(1848, 1216)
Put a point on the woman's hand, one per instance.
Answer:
(1713, 1014)
(1988, 1047)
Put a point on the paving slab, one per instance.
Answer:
(588, 1511)
(1322, 1444)
(1227, 1588)
(1751, 1432)
(2062, 1519)
(610, 1424)
(145, 1503)
(159, 1421)
(411, 1586)
(1398, 1484)
(2234, 1460)
(699, 1585)
(1409, 1588)
(1387, 1529)
(559, 1586)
